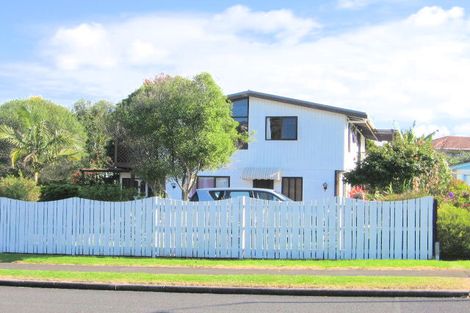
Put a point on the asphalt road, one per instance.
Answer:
(18, 299)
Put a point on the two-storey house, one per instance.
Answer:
(298, 148)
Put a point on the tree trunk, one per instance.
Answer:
(36, 177)
(185, 194)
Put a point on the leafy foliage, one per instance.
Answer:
(39, 133)
(96, 119)
(107, 192)
(458, 195)
(408, 163)
(19, 188)
(458, 158)
(59, 191)
(454, 231)
(176, 127)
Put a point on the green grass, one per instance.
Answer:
(275, 264)
(286, 281)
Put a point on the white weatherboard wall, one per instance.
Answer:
(236, 228)
(314, 156)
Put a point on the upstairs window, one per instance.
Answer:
(240, 114)
(281, 128)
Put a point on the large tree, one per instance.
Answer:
(39, 133)
(176, 127)
(96, 119)
(408, 163)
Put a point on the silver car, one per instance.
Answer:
(214, 194)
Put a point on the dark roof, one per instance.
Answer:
(303, 103)
(357, 118)
(385, 134)
(458, 143)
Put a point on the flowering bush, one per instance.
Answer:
(458, 195)
(357, 192)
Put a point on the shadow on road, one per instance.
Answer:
(351, 301)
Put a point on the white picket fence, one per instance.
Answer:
(238, 228)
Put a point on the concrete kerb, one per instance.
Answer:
(240, 290)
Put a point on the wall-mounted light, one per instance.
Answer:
(173, 185)
(325, 186)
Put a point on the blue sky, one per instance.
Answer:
(398, 60)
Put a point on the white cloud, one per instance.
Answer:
(282, 23)
(353, 4)
(427, 129)
(404, 70)
(435, 16)
(462, 129)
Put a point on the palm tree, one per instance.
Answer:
(36, 143)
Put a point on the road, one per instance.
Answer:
(18, 300)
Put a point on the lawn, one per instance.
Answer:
(271, 264)
(285, 281)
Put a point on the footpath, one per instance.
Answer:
(159, 270)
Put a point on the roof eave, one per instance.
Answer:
(307, 104)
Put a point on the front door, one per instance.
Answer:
(263, 183)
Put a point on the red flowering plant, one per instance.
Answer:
(357, 192)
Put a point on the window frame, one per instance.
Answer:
(301, 187)
(289, 139)
(245, 145)
(214, 180)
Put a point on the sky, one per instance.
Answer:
(403, 62)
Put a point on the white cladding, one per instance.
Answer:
(321, 148)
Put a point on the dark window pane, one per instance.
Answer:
(195, 197)
(266, 196)
(242, 124)
(292, 187)
(281, 128)
(274, 128)
(221, 182)
(240, 108)
(298, 189)
(126, 182)
(205, 182)
(289, 128)
(213, 181)
(242, 128)
(285, 186)
(217, 195)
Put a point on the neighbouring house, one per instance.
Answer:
(458, 149)
(452, 145)
(462, 172)
(298, 148)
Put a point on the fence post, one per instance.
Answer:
(242, 203)
(2, 240)
(154, 226)
(435, 250)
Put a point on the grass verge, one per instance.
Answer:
(284, 281)
(273, 264)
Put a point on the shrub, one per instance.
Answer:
(59, 191)
(458, 194)
(19, 188)
(107, 193)
(397, 196)
(407, 163)
(453, 230)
